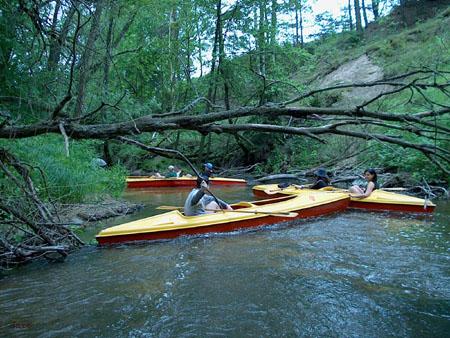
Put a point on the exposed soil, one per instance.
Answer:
(359, 70)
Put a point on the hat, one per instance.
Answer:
(208, 166)
(170, 167)
(321, 172)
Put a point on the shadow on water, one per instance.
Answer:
(349, 274)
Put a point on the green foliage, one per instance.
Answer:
(66, 179)
(412, 164)
(154, 66)
(327, 23)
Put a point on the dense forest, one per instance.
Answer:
(254, 86)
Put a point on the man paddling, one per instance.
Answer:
(199, 202)
(208, 169)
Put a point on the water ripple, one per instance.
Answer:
(352, 274)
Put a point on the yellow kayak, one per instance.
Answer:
(378, 200)
(245, 214)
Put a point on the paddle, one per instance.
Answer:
(275, 191)
(276, 214)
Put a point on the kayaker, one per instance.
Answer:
(208, 169)
(199, 202)
(156, 174)
(178, 171)
(371, 177)
(171, 173)
(322, 180)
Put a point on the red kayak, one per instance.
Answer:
(151, 181)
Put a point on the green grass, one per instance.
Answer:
(66, 179)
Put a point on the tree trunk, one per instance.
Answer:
(174, 31)
(262, 37)
(107, 154)
(199, 38)
(302, 43)
(376, 14)
(273, 22)
(358, 16)
(53, 35)
(58, 40)
(86, 58)
(366, 22)
(296, 24)
(212, 82)
(188, 57)
(350, 17)
(298, 7)
(221, 65)
(108, 49)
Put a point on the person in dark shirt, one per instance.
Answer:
(171, 172)
(322, 180)
(199, 202)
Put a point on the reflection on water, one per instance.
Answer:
(350, 274)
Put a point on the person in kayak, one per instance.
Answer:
(322, 180)
(371, 177)
(208, 169)
(171, 173)
(199, 202)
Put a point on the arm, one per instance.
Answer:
(197, 197)
(224, 205)
(370, 188)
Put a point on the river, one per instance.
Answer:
(352, 274)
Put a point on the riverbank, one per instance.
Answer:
(84, 213)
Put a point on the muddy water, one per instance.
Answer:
(353, 274)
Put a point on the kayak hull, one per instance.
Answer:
(378, 201)
(337, 205)
(391, 207)
(148, 182)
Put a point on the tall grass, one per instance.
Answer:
(71, 178)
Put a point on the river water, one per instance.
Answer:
(352, 274)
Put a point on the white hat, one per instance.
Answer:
(170, 167)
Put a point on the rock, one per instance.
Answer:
(98, 162)
(76, 221)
